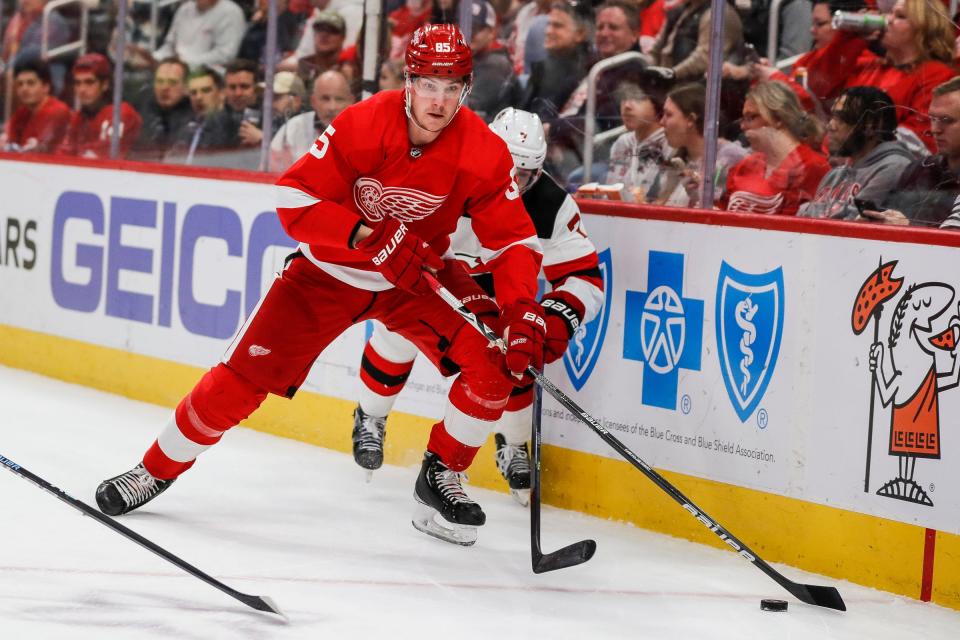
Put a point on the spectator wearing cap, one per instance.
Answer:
(40, 121)
(554, 79)
(350, 10)
(22, 38)
(331, 94)
(165, 113)
(289, 94)
(328, 36)
(91, 126)
(492, 70)
(255, 39)
(204, 32)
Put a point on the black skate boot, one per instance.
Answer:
(513, 461)
(129, 490)
(368, 434)
(439, 493)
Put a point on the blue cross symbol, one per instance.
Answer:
(663, 329)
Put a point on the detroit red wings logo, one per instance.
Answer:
(378, 202)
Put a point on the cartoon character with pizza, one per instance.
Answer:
(905, 370)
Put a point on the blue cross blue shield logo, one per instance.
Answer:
(585, 345)
(663, 329)
(749, 325)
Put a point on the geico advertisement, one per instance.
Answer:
(816, 367)
(164, 266)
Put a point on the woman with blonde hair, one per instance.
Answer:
(919, 41)
(784, 169)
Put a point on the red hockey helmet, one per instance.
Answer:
(438, 50)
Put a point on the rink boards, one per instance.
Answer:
(732, 357)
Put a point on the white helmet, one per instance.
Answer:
(523, 133)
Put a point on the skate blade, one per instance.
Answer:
(522, 496)
(429, 521)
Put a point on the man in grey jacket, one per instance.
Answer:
(862, 129)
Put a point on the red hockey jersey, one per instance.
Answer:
(751, 189)
(46, 125)
(90, 137)
(363, 167)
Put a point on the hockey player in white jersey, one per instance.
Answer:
(569, 265)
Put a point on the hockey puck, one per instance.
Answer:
(773, 605)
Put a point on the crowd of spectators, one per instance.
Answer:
(853, 122)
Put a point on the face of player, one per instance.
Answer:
(331, 95)
(31, 91)
(561, 33)
(240, 90)
(434, 101)
(945, 123)
(678, 127)
(525, 178)
(205, 96)
(821, 28)
(87, 88)
(168, 85)
(613, 34)
(639, 116)
(899, 34)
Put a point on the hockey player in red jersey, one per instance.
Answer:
(373, 204)
(570, 265)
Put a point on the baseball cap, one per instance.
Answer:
(288, 82)
(483, 15)
(329, 20)
(95, 63)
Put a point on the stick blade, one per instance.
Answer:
(569, 556)
(819, 596)
(261, 603)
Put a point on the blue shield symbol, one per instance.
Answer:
(585, 345)
(749, 325)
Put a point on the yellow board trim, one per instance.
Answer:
(872, 551)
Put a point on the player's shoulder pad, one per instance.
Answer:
(543, 202)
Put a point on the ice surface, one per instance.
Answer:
(275, 517)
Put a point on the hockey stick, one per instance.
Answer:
(570, 555)
(811, 594)
(260, 603)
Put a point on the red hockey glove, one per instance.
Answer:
(400, 255)
(563, 313)
(524, 331)
(457, 280)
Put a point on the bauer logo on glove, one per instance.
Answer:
(391, 246)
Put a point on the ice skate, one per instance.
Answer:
(129, 491)
(513, 461)
(368, 434)
(444, 510)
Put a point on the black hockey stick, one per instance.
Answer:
(809, 593)
(572, 554)
(260, 603)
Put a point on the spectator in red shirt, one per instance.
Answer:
(91, 127)
(919, 41)
(784, 170)
(40, 121)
